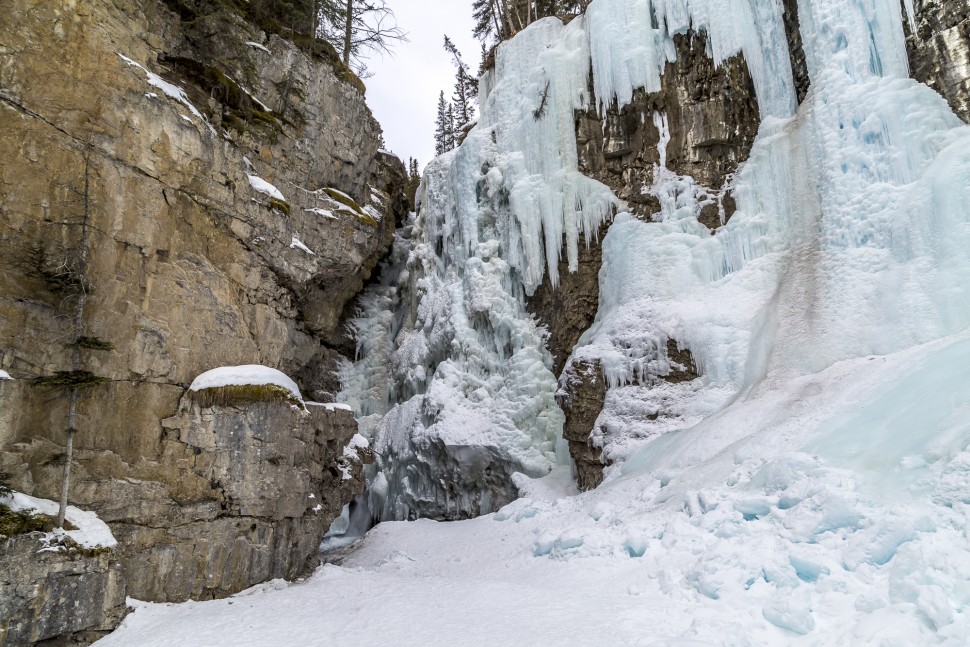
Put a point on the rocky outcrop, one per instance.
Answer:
(162, 143)
(75, 596)
(939, 50)
(712, 117)
(581, 397)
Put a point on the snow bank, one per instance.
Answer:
(5, 376)
(249, 374)
(261, 185)
(91, 531)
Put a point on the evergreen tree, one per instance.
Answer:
(414, 180)
(442, 143)
(451, 136)
(501, 19)
(466, 89)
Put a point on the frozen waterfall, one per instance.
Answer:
(847, 242)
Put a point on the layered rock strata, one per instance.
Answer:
(228, 198)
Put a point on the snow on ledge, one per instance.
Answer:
(331, 406)
(247, 374)
(326, 213)
(91, 531)
(255, 45)
(5, 376)
(351, 453)
(298, 244)
(263, 186)
(171, 90)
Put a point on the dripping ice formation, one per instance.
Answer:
(454, 384)
(813, 485)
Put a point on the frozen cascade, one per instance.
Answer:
(453, 385)
(631, 40)
(846, 240)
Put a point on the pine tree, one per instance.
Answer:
(441, 141)
(414, 180)
(466, 89)
(451, 136)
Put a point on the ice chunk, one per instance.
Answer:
(789, 612)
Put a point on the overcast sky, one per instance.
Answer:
(403, 93)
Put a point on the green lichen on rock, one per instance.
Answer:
(70, 379)
(282, 205)
(91, 343)
(242, 395)
(19, 522)
(350, 206)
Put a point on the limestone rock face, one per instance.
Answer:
(67, 595)
(939, 50)
(162, 137)
(712, 117)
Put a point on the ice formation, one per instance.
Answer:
(453, 385)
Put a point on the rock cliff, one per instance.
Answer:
(227, 192)
(939, 50)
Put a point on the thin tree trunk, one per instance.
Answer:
(495, 18)
(348, 31)
(68, 455)
(76, 353)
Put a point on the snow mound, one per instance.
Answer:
(91, 531)
(5, 376)
(248, 374)
(261, 185)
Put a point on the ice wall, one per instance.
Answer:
(453, 384)
(631, 40)
(847, 241)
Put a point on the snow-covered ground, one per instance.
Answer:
(832, 511)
